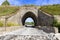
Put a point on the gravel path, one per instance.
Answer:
(28, 34)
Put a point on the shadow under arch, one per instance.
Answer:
(29, 15)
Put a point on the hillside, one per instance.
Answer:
(8, 10)
(51, 9)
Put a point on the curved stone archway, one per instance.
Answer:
(31, 15)
(40, 18)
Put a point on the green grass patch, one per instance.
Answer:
(51, 9)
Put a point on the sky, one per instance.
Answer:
(35, 2)
(29, 20)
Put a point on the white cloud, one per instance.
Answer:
(29, 20)
(1, 1)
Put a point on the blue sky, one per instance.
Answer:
(35, 2)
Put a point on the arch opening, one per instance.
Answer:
(29, 15)
(29, 21)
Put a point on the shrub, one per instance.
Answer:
(6, 3)
(55, 22)
(57, 25)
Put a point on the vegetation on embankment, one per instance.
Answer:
(30, 23)
(6, 2)
(51, 9)
(8, 24)
(8, 10)
(56, 24)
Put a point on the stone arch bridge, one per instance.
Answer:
(40, 18)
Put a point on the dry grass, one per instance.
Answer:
(51, 9)
(8, 10)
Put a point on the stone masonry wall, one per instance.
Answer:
(45, 19)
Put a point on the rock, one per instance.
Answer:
(29, 34)
(29, 37)
(57, 35)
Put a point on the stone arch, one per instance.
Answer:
(27, 15)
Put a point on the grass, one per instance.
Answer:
(1, 24)
(51, 9)
(9, 24)
(7, 10)
(30, 23)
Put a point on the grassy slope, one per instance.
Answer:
(51, 9)
(7, 10)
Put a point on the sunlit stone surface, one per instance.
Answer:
(28, 34)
